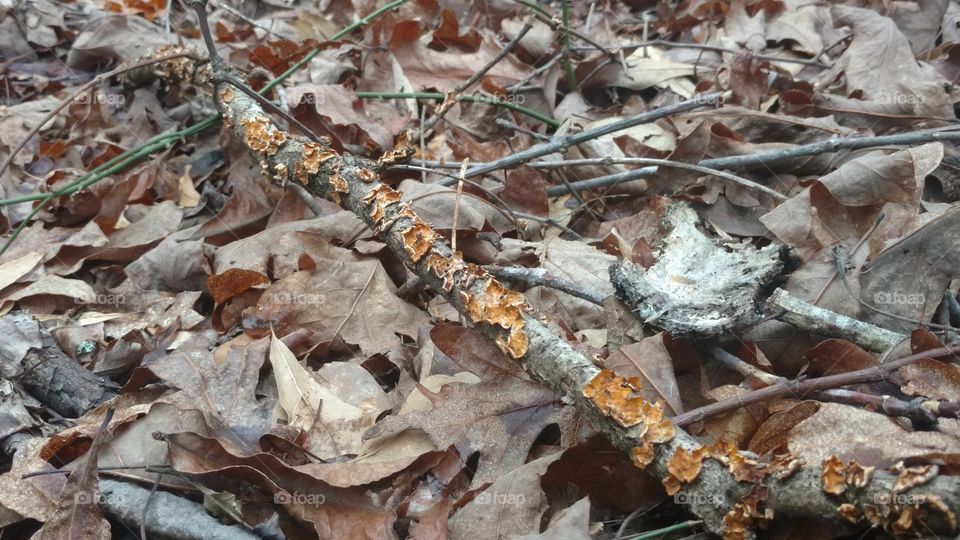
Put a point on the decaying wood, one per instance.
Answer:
(697, 287)
(824, 322)
(54, 378)
(167, 516)
(731, 491)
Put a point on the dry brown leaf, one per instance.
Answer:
(344, 296)
(650, 360)
(872, 439)
(514, 502)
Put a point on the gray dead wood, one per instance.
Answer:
(698, 287)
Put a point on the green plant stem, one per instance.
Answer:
(23, 223)
(565, 39)
(666, 530)
(490, 100)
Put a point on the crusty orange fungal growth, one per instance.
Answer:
(498, 306)
(745, 469)
(226, 94)
(784, 466)
(616, 397)
(911, 477)
(849, 512)
(935, 503)
(379, 199)
(366, 175)
(857, 475)
(832, 476)
(642, 455)
(338, 185)
(260, 135)
(418, 239)
(685, 465)
(400, 154)
(444, 268)
(672, 485)
(736, 524)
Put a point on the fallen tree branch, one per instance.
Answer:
(923, 412)
(816, 320)
(750, 492)
(806, 387)
(735, 162)
(55, 379)
(749, 184)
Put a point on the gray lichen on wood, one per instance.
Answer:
(697, 287)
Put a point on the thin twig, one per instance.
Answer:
(717, 48)
(817, 320)
(555, 24)
(451, 98)
(808, 386)
(923, 412)
(565, 41)
(562, 143)
(540, 276)
(749, 184)
(745, 160)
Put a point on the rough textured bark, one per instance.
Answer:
(168, 516)
(824, 322)
(728, 489)
(58, 381)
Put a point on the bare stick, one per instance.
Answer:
(540, 276)
(451, 98)
(717, 48)
(923, 412)
(801, 389)
(562, 143)
(749, 184)
(745, 160)
(817, 320)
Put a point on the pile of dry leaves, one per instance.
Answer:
(479, 269)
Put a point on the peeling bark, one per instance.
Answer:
(697, 288)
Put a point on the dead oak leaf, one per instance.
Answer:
(225, 391)
(345, 296)
(514, 504)
(499, 420)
